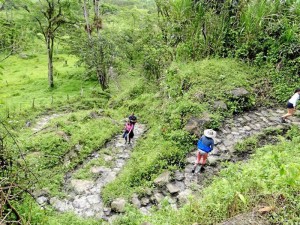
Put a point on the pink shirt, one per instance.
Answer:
(128, 126)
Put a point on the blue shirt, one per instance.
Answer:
(206, 144)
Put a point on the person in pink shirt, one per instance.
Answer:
(128, 131)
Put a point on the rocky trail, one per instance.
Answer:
(84, 196)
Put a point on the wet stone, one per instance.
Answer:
(179, 175)
(173, 188)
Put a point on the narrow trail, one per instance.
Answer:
(43, 121)
(84, 196)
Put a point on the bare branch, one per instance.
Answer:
(6, 56)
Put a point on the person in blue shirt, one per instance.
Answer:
(205, 145)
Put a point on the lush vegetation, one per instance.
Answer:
(167, 61)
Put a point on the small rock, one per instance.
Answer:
(196, 125)
(162, 179)
(239, 92)
(93, 199)
(28, 124)
(178, 175)
(172, 188)
(42, 200)
(148, 191)
(145, 201)
(191, 159)
(220, 105)
(199, 96)
(99, 169)
(212, 160)
(158, 197)
(81, 186)
(107, 211)
(135, 201)
(23, 55)
(266, 209)
(118, 205)
(81, 203)
(107, 158)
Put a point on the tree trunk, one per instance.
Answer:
(102, 79)
(50, 43)
(97, 17)
(86, 17)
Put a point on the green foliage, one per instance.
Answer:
(247, 145)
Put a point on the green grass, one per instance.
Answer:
(26, 79)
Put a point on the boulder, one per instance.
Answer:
(239, 92)
(162, 179)
(118, 205)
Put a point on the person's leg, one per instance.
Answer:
(204, 158)
(290, 112)
(125, 137)
(131, 134)
(197, 161)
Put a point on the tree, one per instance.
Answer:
(96, 53)
(50, 16)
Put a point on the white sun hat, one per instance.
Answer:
(210, 133)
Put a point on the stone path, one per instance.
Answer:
(43, 121)
(178, 186)
(84, 196)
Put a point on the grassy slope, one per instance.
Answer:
(154, 153)
(166, 143)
